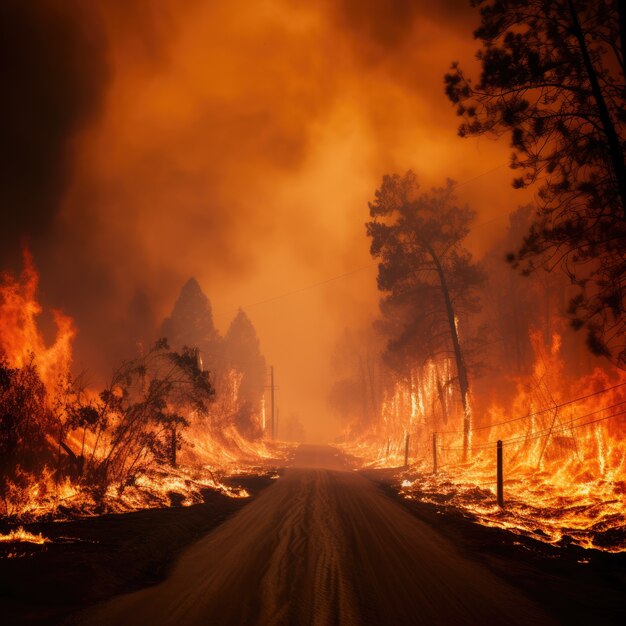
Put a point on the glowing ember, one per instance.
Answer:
(20, 337)
(19, 535)
(564, 456)
(74, 451)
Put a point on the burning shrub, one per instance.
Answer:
(137, 422)
(25, 419)
(140, 417)
(66, 449)
(58, 439)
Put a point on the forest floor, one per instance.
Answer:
(576, 585)
(91, 559)
(323, 545)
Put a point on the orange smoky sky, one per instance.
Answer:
(237, 142)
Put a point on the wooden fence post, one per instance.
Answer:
(406, 451)
(499, 474)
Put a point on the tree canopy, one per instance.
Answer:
(428, 277)
(191, 321)
(242, 353)
(552, 77)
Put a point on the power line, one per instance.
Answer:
(471, 180)
(565, 428)
(535, 413)
(358, 269)
(300, 289)
(547, 432)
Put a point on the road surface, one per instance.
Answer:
(322, 546)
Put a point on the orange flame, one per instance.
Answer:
(19, 535)
(564, 452)
(217, 446)
(20, 337)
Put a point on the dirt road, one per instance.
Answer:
(322, 546)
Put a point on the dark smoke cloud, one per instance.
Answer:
(234, 141)
(383, 27)
(54, 74)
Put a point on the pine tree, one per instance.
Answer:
(243, 354)
(191, 323)
(553, 77)
(426, 274)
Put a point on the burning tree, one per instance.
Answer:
(553, 76)
(428, 276)
(236, 362)
(102, 441)
(191, 324)
(141, 416)
(63, 442)
(242, 353)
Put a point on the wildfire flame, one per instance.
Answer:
(217, 447)
(19, 535)
(564, 455)
(20, 337)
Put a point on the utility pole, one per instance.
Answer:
(273, 429)
(499, 474)
(273, 426)
(406, 450)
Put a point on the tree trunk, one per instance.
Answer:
(613, 141)
(173, 446)
(548, 312)
(442, 399)
(621, 11)
(76, 462)
(371, 384)
(363, 391)
(458, 355)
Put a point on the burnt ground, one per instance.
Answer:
(576, 585)
(323, 546)
(92, 559)
(115, 554)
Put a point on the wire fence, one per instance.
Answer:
(554, 407)
(573, 423)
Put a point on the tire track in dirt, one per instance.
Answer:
(322, 546)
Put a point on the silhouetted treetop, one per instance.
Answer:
(553, 79)
(427, 276)
(243, 353)
(242, 342)
(191, 321)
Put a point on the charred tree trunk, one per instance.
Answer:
(173, 446)
(363, 391)
(442, 399)
(76, 462)
(458, 354)
(616, 153)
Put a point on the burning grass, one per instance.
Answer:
(43, 498)
(157, 487)
(157, 435)
(564, 454)
(589, 514)
(19, 535)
